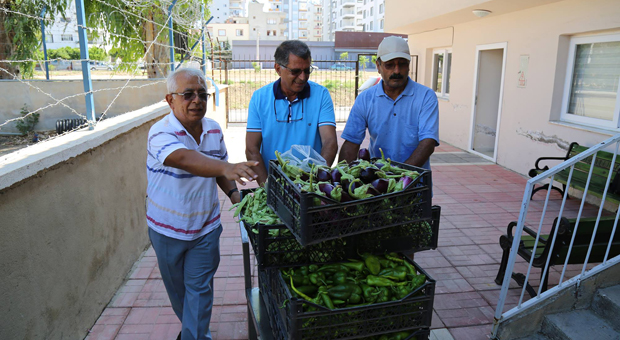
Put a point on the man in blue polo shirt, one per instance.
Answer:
(401, 115)
(289, 111)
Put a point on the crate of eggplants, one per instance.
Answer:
(347, 199)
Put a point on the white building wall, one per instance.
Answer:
(220, 11)
(373, 12)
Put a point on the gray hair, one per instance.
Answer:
(171, 82)
(298, 48)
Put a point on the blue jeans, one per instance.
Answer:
(187, 269)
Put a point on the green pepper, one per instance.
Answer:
(384, 294)
(355, 299)
(339, 277)
(313, 268)
(323, 294)
(338, 302)
(368, 293)
(317, 279)
(308, 290)
(402, 291)
(411, 268)
(400, 336)
(355, 265)
(303, 270)
(372, 263)
(378, 281)
(394, 257)
(334, 267)
(385, 263)
(302, 295)
(394, 273)
(301, 280)
(418, 281)
(340, 292)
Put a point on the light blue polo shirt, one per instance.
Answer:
(283, 123)
(396, 126)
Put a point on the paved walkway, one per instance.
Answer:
(478, 200)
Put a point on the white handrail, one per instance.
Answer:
(550, 176)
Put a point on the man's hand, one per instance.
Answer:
(238, 171)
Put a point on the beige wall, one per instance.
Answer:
(45, 94)
(528, 124)
(70, 234)
(230, 31)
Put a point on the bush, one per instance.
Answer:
(256, 66)
(28, 121)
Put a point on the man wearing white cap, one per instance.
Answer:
(401, 116)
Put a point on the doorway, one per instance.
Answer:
(487, 99)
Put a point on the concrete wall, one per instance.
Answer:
(72, 226)
(529, 124)
(246, 50)
(36, 94)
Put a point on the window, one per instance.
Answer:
(66, 37)
(380, 8)
(371, 10)
(364, 14)
(271, 21)
(381, 24)
(221, 33)
(592, 88)
(239, 33)
(370, 29)
(49, 38)
(442, 63)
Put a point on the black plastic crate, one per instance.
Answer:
(312, 223)
(274, 246)
(412, 313)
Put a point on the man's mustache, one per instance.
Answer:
(397, 76)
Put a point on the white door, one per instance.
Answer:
(487, 99)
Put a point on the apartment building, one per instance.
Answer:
(373, 13)
(222, 10)
(64, 32)
(342, 15)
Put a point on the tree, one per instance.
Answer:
(363, 60)
(373, 59)
(97, 53)
(344, 55)
(20, 33)
(138, 30)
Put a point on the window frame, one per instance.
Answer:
(570, 68)
(68, 36)
(239, 32)
(444, 84)
(219, 32)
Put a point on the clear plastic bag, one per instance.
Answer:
(303, 157)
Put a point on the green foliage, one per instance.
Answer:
(66, 53)
(363, 60)
(28, 121)
(335, 84)
(22, 35)
(97, 53)
(344, 55)
(256, 66)
(374, 59)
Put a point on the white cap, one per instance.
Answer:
(393, 47)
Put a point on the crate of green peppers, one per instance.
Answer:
(356, 299)
(274, 245)
(348, 199)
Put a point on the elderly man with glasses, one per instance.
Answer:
(186, 161)
(292, 110)
(401, 116)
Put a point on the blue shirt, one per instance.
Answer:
(395, 126)
(283, 123)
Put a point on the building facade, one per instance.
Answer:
(64, 32)
(373, 13)
(517, 80)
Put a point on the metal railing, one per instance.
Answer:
(548, 177)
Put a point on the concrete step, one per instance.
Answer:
(606, 304)
(578, 325)
(537, 336)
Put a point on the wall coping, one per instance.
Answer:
(27, 162)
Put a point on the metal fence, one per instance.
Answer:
(570, 275)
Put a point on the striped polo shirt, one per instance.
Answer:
(178, 204)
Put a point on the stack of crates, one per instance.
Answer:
(331, 232)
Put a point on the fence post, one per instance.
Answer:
(202, 36)
(45, 62)
(226, 72)
(88, 84)
(357, 75)
(171, 35)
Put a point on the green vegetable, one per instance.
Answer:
(368, 293)
(291, 171)
(355, 265)
(340, 292)
(372, 263)
(394, 257)
(398, 273)
(317, 279)
(339, 277)
(377, 281)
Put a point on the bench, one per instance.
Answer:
(566, 229)
(580, 173)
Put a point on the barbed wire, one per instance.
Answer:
(181, 16)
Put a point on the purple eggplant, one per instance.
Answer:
(305, 177)
(371, 190)
(381, 185)
(336, 175)
(326, 188)
(323, 175)
(363, 154)
(368, 174)
(379, 164)
(406, 181)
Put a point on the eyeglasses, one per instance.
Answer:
(389, 65)
(289, 116)
(190, 95)
(297, 71)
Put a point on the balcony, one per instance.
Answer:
(348, 14)
(348, 3)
